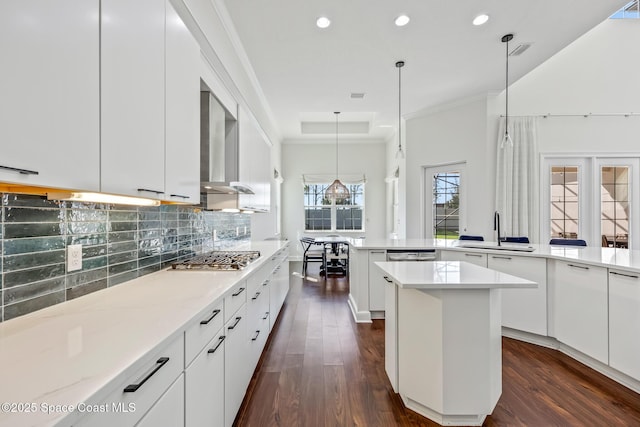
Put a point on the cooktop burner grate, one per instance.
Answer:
(218, 260)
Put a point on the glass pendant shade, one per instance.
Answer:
(507, 138)
(400, 152)
(337, 190)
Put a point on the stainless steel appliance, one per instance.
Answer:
(219, 166)
(218, 260)
(411, 255)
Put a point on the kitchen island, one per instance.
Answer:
(443, 351)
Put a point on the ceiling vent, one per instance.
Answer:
(357, 95)
(519, 50)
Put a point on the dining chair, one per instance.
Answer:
(516, 240)
(312, 254)
(568, 242)
(468, 237)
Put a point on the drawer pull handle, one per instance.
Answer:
(255, 337)
(578, 266)
(236, 323)
(159, 364)
(266, 315)
(21, 171)
(146, 190)
(255, 297)
(214, 314)
(387, 279)
(624, 275)
(238, 293)
(213, 350)
(179, 195)
(474, 255)
(377, 252)
(501, 257)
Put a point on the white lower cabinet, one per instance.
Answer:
(376, 281)
(204, 385)
(472, 257)
(523, 309)
(134, 396)
(391, 332)
(581, 308)
(169, 410)
(236, 373)
(624, 322)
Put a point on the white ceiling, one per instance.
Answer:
(307, 73)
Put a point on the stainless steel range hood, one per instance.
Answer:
(219, 185)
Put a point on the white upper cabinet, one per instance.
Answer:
(182, 138)
(49, 92)
(132, 97)
(254, 163)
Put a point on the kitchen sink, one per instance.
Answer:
(502, 247)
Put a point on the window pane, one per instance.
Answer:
(349, 218)
(564, 203)
(317, 218)
(614, 205)
(446, 205)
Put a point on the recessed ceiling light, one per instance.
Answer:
(402, 20)
(323, 22)
(480, 19)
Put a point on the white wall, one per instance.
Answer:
(461, 132)
(597, 73)
(319, 158)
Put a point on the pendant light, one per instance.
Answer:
(400, 153)
(507, 138)
(337, 190)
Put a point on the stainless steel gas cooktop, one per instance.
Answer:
(218, 260)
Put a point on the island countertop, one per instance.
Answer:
(449, 275)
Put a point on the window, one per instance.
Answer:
(614, 205)
(630, 11)
(446, 205)
(565, 210)
(594, 198)
(322, 214)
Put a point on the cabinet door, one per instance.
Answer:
(49, 93)
(254, 163)
(624, 322)
(581, 312)
(182, 91)
(391, 332)
(204, 385)
(472, 257)
(237, 371)
(132, 97)
(168, 410)
(523, 309)
(376, 281)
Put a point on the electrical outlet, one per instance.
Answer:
(74, 257)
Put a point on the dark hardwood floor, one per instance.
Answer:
(320, 368)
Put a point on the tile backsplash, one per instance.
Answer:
(119, 243)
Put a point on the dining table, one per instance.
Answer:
(336, 254)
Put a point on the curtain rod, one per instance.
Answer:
(544, 116)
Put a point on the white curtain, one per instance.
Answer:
(517, 178)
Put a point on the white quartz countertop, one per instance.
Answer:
(449, 275)
(67, 353)
(623, 259)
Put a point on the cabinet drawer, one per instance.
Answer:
(132, 397)
(234, 300)
(206, 325)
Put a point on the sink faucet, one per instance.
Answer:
(496, 224)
